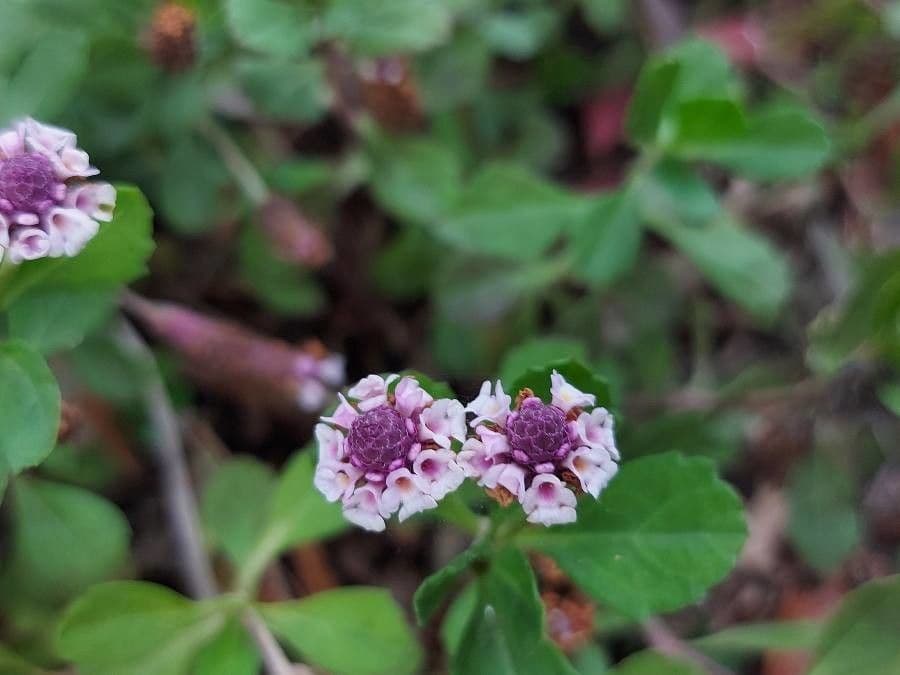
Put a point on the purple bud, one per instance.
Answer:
(537, 432)
(28, 183)
(379, 440)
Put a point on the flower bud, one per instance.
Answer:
(238, 363)
(171, 38)
(293, 236)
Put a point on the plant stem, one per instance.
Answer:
(169, 450)
(661, 637)
(7, 270)
(273, 657)
(242, 169)
(182, 504)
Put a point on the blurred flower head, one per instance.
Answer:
(171, 38)
(540, 453)
(47, 207)
(387, 449)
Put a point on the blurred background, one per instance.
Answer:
(462, 187)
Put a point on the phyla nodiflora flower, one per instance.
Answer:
(387, 448)
(47, 207)
(540, 454)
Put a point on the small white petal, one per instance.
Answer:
(442, 420)
(440, 470)
(410, 397)
(364, 508)
(548, 501)
(565, 396)
(488, 407)
(28, 243)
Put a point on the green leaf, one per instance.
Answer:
(352, 631)
(523, 356)
(776, 144)
(862, 637)
(106, 369)
(284, 288)
(653, 663)
(506, 633)
(604, 16)
(190, 186)
(702, 125)
(868, 318)
(475, 292)
(388, 26)
(664, 512)
(692, 70)
(29, 408)
(537, 378)
(607, 240)
(455, 73)
(231, 652)
(13, 664)
(416, 179)
(398, 270)
(760, 637)
(65, 539)
(738, 262)
(136, 628)
(234, 505)
(117, 255)
(432, 592)
(674, 188)
(51, 319)
(275, 27)
(823, 522)
(298, 513)
(459, 613)
(716, 436)
(285, 89)
(889, 395)
(655, 85)
(46, 77)
(521, 32)
(508, 212)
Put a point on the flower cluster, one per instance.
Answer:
(388, 446)
(47, 208)
(541, 453)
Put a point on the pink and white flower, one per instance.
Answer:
(387, 449)
(541, 454)
(548, 501)
(490, 407)
(47, 208)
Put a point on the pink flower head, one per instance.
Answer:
(540, 454)
(387, 449)
(47, 208)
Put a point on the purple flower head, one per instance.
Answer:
(387, 449)
(537, 433)
(542, 453)
(380, 440)
(47, 207)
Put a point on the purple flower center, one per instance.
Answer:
(379, 440)
(28, 184)
(537, 433)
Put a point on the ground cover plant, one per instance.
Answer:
(467, 336)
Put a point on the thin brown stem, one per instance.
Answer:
(176, 483)
(661, 638)
(181, 502)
